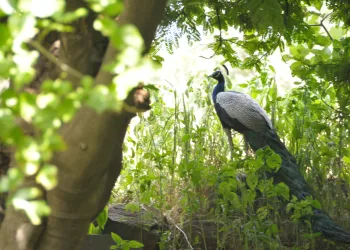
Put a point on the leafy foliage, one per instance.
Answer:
(177, 156)
(24, 26)
(124, 244)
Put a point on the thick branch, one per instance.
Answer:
(321, 24)
(87, 176)
(86, 173)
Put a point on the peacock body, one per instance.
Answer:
(238, 111)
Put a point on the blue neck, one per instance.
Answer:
(220, 87)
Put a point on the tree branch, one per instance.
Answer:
(323, 26)
(55, 60)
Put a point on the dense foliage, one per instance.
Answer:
(178, 157)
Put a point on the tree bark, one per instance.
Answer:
(92, 162)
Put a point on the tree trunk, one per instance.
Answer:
(91, 164)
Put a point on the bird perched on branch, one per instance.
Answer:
(238, 111)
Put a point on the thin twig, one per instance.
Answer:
(237, 43)
(178, 228)
(54, 60)
(323, 26)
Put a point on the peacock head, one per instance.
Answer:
(217, 75)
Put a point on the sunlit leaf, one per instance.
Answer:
(252, 180)
(5, 37)
(69, 17)
(135, 244)
(28, 193)
(274, 161)
(283, 190)
(47, 176)
(8, 6)
(117, 239)
(102, 218)
(22, 28)
(336, 32)
(35, 210)
(316, 204)
(42, 8)
(323, 40)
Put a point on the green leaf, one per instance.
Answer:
(151, 87)
(6, 66)
(47, 176)
(22, 28)
(296, 66)
(316, 204)
(325, 54)
(69, 17)
(4, 184)
(289, 207)
(323, 40)
(107, 26)
(5, 37)
(318, 4)
(109, 7)
(99, 98)
(262, 213)
(234, 199)
(27, 193)
(313, 19)
(265, 14)
(243, 85)
(274, 161)
(252, 180)
(93, 229)
(102, 218)
(286, 57)
(283, 190)
(114, 9)
(132, 37)
(346, 159)
(15, 176)
(8, 6)
(299, 51)
(274, 229)
(132, 207)
(272, 68)
(135, 244)
(186, 138)
(27, 106)
(40, 8)
(223, 188)
(117, 239)
(35, 210)
(25, 72)
(336, 32)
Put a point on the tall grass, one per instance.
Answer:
(177, 159)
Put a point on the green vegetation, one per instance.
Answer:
(177, 159)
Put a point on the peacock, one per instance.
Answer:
(240, 112)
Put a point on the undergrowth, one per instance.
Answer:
(177, 160)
